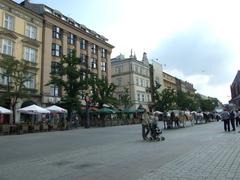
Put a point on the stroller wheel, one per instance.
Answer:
(157, 139)
(162, 138)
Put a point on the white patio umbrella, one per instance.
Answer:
(33, 109)
(56, 109)
(5, 111)
(157, 112)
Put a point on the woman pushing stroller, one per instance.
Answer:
(150, 124)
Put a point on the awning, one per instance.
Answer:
(5, 110)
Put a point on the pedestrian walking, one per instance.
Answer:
(232, 119)
(218, 117)
(145, 124)
(225, 117)
(237, 117)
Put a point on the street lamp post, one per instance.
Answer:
(87, 119)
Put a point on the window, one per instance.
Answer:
(71, 38)
(9, 22)
(69, 52)
(31, 82)
(119, 81)
(138, 97)
(82, 94)
(103, 66)
(148, 98)
(29, 54)
(7, 47)
(83, 75)
(57, 32)
(141, 82)
(94, 48)
(3, 77)
(83, 43)
(118, 69)
(104, 53)
(143, 97)
(136, 69)
(147, 82)
(31, 31)
(54, 90)
(93, 63)
(137, 81)
(56, 50)
(83, 59)
(55, 67)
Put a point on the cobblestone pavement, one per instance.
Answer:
(219, 160)
(201, 152)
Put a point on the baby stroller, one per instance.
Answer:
(155, 133)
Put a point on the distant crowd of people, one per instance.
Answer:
(230, 118)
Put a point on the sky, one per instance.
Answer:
(194, 40)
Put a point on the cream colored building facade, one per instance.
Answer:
(62, 35)
(21, 38)
(158, 75)
(132, 74)
(169, 81)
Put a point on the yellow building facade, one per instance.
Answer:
(21, 38)
(169, 81)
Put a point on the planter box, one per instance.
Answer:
(36, 127)
(25, 128)
(44, 127)
(5, 129)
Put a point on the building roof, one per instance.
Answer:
(42, 9)
(237, 78)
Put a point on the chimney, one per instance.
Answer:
(145, 57)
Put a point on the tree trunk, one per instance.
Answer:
(12, 121)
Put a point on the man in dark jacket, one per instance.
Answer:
(225, 117)
(232, 119)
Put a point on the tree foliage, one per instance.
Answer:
(102, 91)
(16, 73)
(125, 98)
(186, 101)
(68, 77)
(165, 100)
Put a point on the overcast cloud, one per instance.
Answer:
(195, 51)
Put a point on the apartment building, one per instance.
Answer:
(132, 74)
(21, 38)
(235, 90)
(185, 86)
(62, 35)
(169, 81)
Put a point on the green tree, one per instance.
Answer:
(186, 101)
(207, 105)
(102, 91)
(17, 74)
(68, 77)
(165, 100)
(125, 98)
